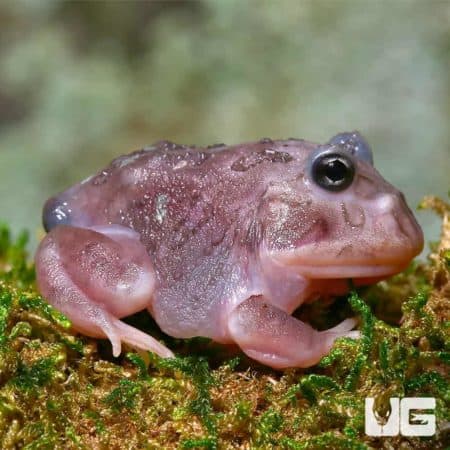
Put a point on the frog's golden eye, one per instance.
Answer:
(333, 171)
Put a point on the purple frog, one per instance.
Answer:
(224, 242)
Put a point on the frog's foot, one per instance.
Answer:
(118, 332)
(94, 277)
(101, 324)
(273, 337)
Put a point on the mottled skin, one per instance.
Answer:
(223, 242)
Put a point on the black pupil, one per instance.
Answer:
(335, 170)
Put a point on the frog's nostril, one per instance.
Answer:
(56, 212)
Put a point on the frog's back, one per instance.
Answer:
(175, 195)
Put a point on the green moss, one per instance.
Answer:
(123, 396)
(197, 369)
(325, 441)
(33, 302)
(5, 305)
(207, 443)
(432, 381)
(310, 385)
(268, 424)
(13, 257)
(36, 375)
(59, 390)
(140, 365)
(366, 341)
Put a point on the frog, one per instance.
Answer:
(225, 242)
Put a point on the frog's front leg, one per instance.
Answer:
(95, 276)
(272, 337)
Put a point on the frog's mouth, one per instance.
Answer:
(372, 267)
(372, 272)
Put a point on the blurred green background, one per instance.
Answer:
(83, 82)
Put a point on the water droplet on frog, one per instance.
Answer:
(268, 154)
(199, 158)
(161, 208)
(169, 146)
(149, 148)
(180, 165)
(101, 178)
(191, 158)
(125, 160)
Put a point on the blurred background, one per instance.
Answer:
(83, 82)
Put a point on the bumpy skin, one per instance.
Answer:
(222, 242)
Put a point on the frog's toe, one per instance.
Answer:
(344, 326)
(343, 329)
(355, 334)
(137, 339)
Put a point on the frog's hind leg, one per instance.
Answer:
(96, 276)
(273, 337)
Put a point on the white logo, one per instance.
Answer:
(400, 421)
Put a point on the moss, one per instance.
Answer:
(269, 423)
(62, 390)
(123, 396)
(366, 340)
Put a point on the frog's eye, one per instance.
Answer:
(333, 171)
(355, 143)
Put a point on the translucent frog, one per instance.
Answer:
(224, 242)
